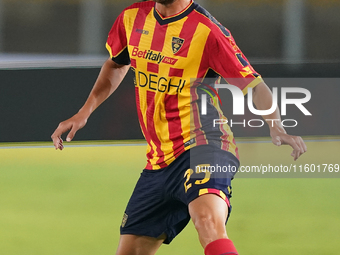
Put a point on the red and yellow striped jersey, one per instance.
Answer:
(167, 55)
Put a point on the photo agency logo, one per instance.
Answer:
(239, 104)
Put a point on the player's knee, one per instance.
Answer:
(204, 221)
(208, 214)
(209, 224)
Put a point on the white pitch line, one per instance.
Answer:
(72, 146)
(307, 141)
(135, 144)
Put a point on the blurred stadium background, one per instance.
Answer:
(71, 202)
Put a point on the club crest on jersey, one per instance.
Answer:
(177, 44)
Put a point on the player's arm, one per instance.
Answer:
(263, 99)
(238, 67)
(110, 76)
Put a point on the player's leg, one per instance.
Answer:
(152, 216)
(209, 213)
(208, 190)
(139, 245)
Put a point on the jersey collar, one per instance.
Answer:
(163, 21)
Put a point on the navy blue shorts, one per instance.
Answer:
(159, 203)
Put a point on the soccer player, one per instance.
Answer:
(174, 46)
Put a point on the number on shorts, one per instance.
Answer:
(188, 174)
(199, 169)
(203, 169)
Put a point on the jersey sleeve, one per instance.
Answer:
(228, 61)
(117, 42)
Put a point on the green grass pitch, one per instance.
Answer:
(72, 202)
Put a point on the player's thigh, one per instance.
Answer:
(139, 245)
(209, 206)
(209, 189)
(209, 214)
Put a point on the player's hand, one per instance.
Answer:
(73, 124)
(296, 142)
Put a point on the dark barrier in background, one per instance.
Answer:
(33, 102)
